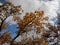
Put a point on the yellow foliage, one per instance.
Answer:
(35, 21)
(4, 26)
(45, 44)
(46, 18)
(41, 40)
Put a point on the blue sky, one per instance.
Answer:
(12, 29)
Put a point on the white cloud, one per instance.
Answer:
(50, 7)
(27, 5)
(10, 20)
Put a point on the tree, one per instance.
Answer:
(6, 11)
(51, 34)
(36, 21)
(31, 19)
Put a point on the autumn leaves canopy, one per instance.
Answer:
(36, 19)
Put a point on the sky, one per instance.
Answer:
(49, 6)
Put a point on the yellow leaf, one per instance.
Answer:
(4, 26)
(46, 18)
(41, 40)
(45, 44)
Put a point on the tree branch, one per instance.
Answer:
(21, 31)
(3, 22)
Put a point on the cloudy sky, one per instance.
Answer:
(49, 6)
